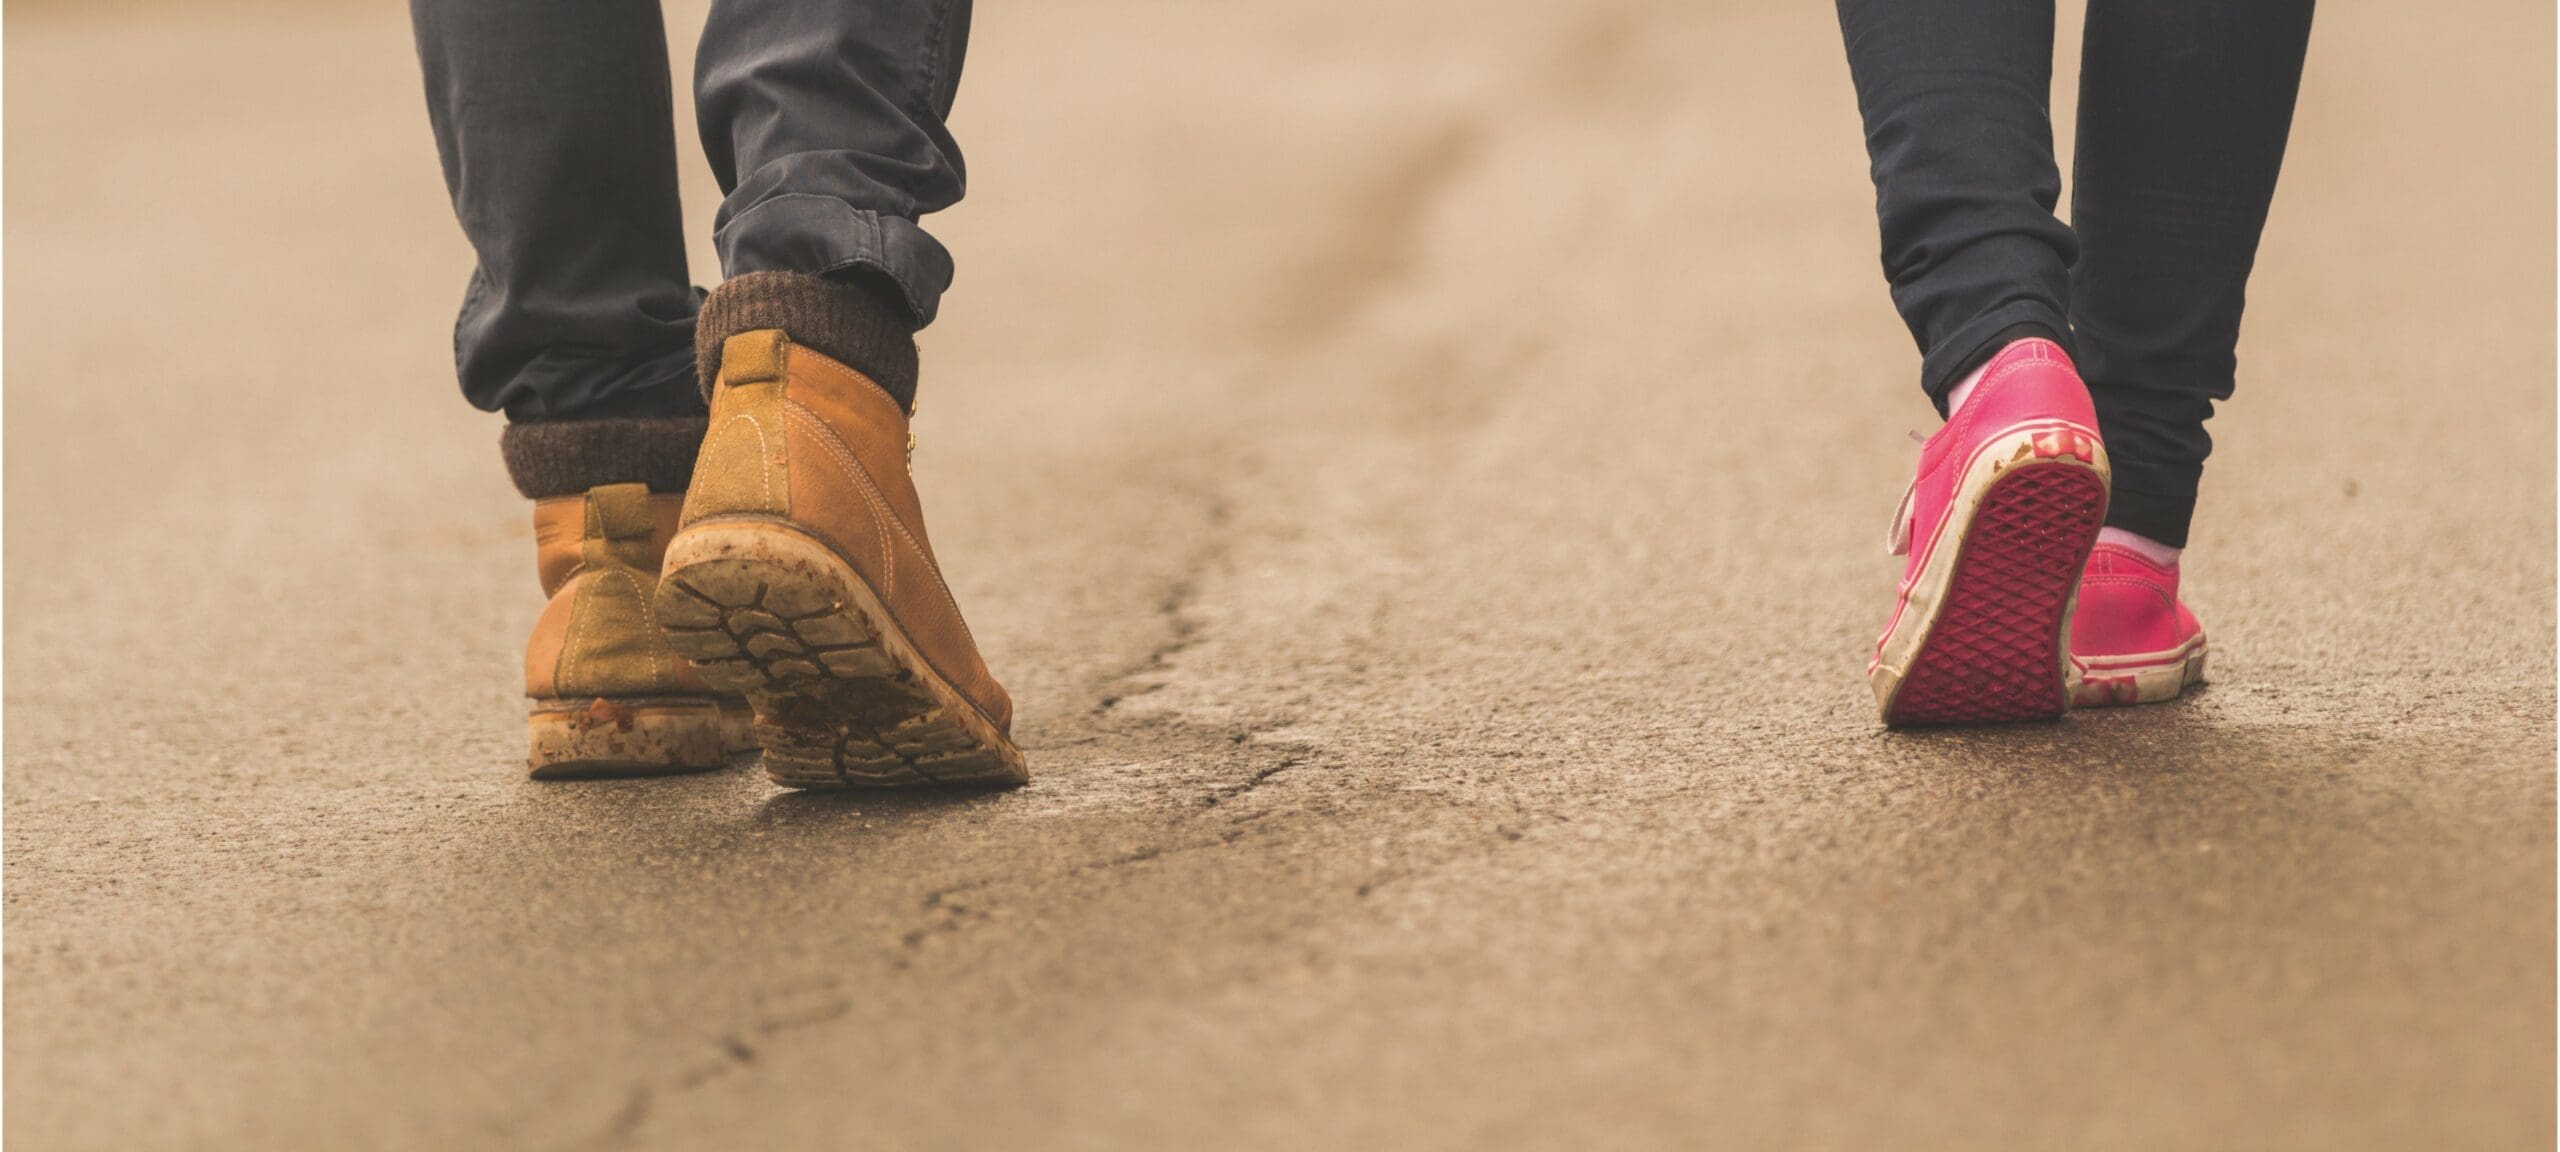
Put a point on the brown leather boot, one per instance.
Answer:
(609, 698)
(802, 578)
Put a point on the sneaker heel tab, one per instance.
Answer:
(753, 357)
(2039, 348)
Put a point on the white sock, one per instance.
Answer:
(1964, 387)
(2141, 545)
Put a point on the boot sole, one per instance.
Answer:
(842, 698)
(2154, 679)
(591, 737)
(1984, 636)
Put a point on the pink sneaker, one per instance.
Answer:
(2006, 506)
(2134, 642)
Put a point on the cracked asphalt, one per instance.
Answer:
(1419, 466)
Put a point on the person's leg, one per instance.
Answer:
(802, 575)
(825, 125)
(2184, 110)
(555, 124)
(1955, 96)
(2008, 495)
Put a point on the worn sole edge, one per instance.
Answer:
(2154, 678)
(2065, 444)
(595, 737)
(774, 554)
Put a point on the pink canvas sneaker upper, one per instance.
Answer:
(2028, 382)
(2008, 498)
(2128, 607)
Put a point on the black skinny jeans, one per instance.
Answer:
(2184, 109)
(824, 123)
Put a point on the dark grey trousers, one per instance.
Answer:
(2184, 110)
(824, 122)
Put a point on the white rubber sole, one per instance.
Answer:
(2148, 678)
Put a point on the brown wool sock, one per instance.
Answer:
(846, 322)
(566, 457)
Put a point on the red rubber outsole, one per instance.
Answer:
(1995, 654)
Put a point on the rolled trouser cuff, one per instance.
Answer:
(847, 322)
(818, 235)
(567, 457)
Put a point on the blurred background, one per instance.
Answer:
(1420, 468)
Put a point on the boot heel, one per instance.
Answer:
(841, 695)
(583, 737)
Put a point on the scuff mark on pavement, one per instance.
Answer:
(1381, 241)
(1250, 783)
(945, 914)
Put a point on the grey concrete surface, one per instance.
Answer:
(1420, 468)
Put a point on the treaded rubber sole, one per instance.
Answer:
(587, 737)
(1982, 633)
(1995, 653)
(2151, 683)
(842, 698)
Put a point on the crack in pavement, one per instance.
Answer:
(731, 1053)
(1380, 252)
(737, 1051)
(1175, 608)
(1252, 782)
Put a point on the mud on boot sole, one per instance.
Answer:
(842, 699)
(588, 737)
